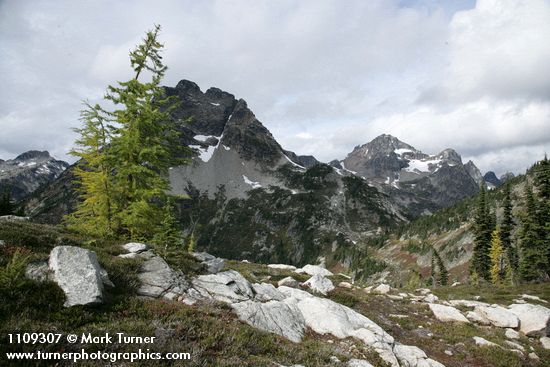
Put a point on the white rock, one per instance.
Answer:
(368, 289)
(423, 291)
(467, 303)
(534, 319)
(534, 298)
(534, 356)
(78, 274)
(288, 282)
(408, 355)
(346, 285)
(314, 270)
(511, 334)
(430, 298)
(135, 247)
(273, 316)
(319, 284)
(159, 280)
(448, 352)
(14, 218)
(382, 289)
(266, 292)
(484, 342)
(358, 363)
(498, 316)
(394, 297)
(228, 286)
(545, 341)
(281, 267)
(455, 284)
(324, 316)
(130, 255)
(212, 263)
(477, 318)
(514, 345)
(447, 313)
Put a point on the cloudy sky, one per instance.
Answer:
(322, 75)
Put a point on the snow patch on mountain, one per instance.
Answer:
(255, 185)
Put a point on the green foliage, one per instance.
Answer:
(542, 182)
(126, 153)
(483, 227)
(95, 213)
(506, 229)
(6, 205)
(12, 276)
(439, 276)
(168, 237)
(533, 260)
(498, 259)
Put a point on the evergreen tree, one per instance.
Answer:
(532, 265)
(126, 154)
(443, 276)
(94, 214)
(145, 142)
(433, 273)
(481, 261)
(6, 205)
(498, 259)
(506, 230)
(542, 182)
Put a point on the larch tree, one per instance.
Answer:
(94, 214)
(498, 259)
(126, 153)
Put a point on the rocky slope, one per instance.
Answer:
(421, 182)
(450, 231)
(236, 313)
(28, 172)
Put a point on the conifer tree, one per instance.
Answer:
(532, 265)
(542, 182)
(94, 214)
(6, 205)
(481, 261)
(506, 230)
(126, 154)
(498, 259)
(443, 275)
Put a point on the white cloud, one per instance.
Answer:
(500, 49)
(323, 76)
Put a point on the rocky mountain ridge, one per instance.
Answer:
(421, 182)
(275, 206)
(28, 172)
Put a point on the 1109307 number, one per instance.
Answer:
(34, 338)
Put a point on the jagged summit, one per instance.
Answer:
(491, 179)
(429, 181)
(29, 171)
(33, 154)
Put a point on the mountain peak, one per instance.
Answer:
(450, 155)
(33, 154)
